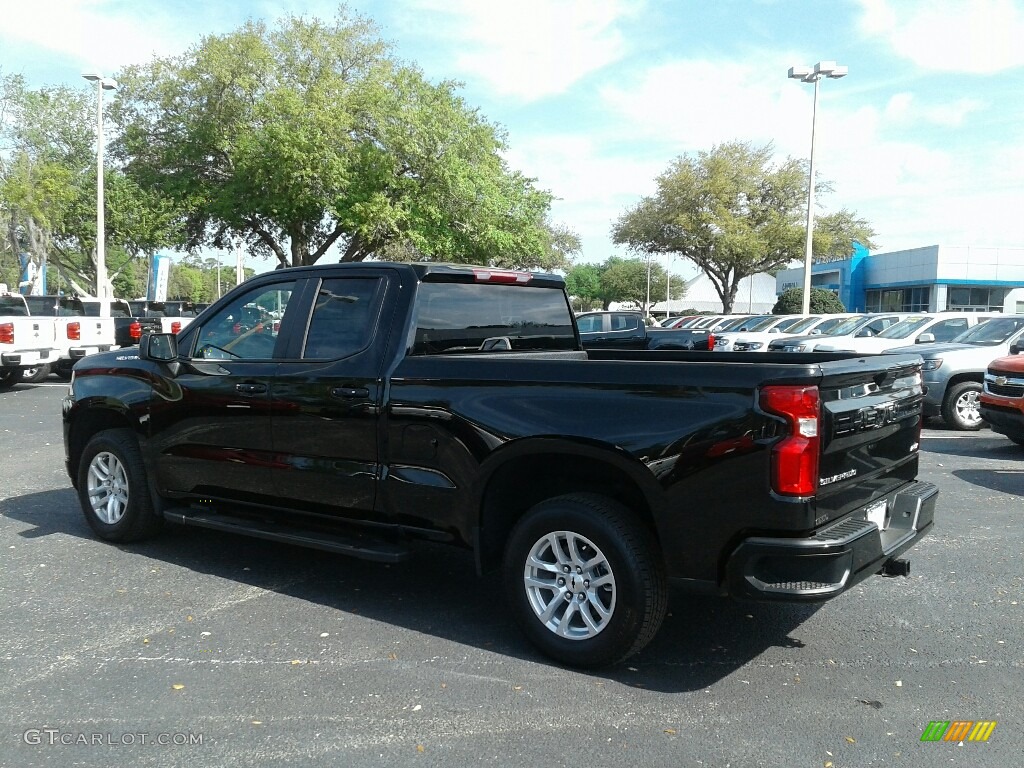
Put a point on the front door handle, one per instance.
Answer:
(350, 392)
(248, 388)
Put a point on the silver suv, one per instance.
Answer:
(954, 370)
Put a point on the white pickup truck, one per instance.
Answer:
(28, 344)
(82, 326)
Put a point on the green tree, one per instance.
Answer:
(823, 302)
(626, 280)
(311, 136)
(48, 189)
(188, 282)
(731, 211)
(583, 284)
(834, 234)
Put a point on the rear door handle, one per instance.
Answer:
(251, 389)
(350, 392)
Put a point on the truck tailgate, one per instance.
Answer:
(870, 432)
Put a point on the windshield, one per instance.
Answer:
(991, 332)
(730, 323)
(905, 328)
(847, 326)
(826, 326)
(756, 323)
(799, 325)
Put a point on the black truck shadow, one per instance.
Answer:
(1009, 481)
(437, 592)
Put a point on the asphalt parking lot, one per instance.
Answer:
(200, 648)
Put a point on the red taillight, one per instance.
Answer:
(711, 341)
(175, 326)
(6, 333)
(75, 331)
(507, 276)
(237, 329)
(795, 457)
(135, 330)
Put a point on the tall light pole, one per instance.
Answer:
(647, 306)
(668, 287)
(808, 75)
(103, 290)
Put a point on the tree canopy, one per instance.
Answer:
(621, 280)
(734, 212)
(48, 189)
(823, 302)
(310, 135)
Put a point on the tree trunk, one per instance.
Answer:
(300, 246)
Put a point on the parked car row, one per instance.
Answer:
(957, 347)
(44, 334)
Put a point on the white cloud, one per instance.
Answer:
(98, 34)
(529, 49)
(973, 36)
(904, 109)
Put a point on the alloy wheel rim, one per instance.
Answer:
(107, 487)
(570, 585)
(967, 408)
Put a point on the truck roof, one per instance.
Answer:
(429, 272)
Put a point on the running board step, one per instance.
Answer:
(364, 547)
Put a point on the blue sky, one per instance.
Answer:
(924, 137)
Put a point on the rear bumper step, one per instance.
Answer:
(366, 548)
(830, 561)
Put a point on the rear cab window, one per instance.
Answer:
(453, 317)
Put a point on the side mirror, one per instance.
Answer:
(925, 338)
(159, 347)
(1015, 348)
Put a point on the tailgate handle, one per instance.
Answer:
(250, 389)
(350, 392)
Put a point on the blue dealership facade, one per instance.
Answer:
(933, 278)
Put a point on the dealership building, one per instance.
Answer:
(934, 278)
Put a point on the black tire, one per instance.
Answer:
(611, 545)
(112, 461)
(37, 373)
(960, 408)
(9, 377)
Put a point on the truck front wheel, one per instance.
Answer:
(961, 407)
(112, 488)
(584, 580)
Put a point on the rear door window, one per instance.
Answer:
(344, 317)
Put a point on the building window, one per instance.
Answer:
(975, 299)
(916, 299)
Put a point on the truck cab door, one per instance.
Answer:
(326, 397)
(210, 422)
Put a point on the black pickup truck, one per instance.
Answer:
(395, 402)
(627, 330)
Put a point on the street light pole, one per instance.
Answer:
(102, 285)
(668, 287)
(808, 75)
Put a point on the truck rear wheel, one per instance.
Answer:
(960, 409)
(34, 374)
(63, 369)
(585, 581)
(113, 490)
